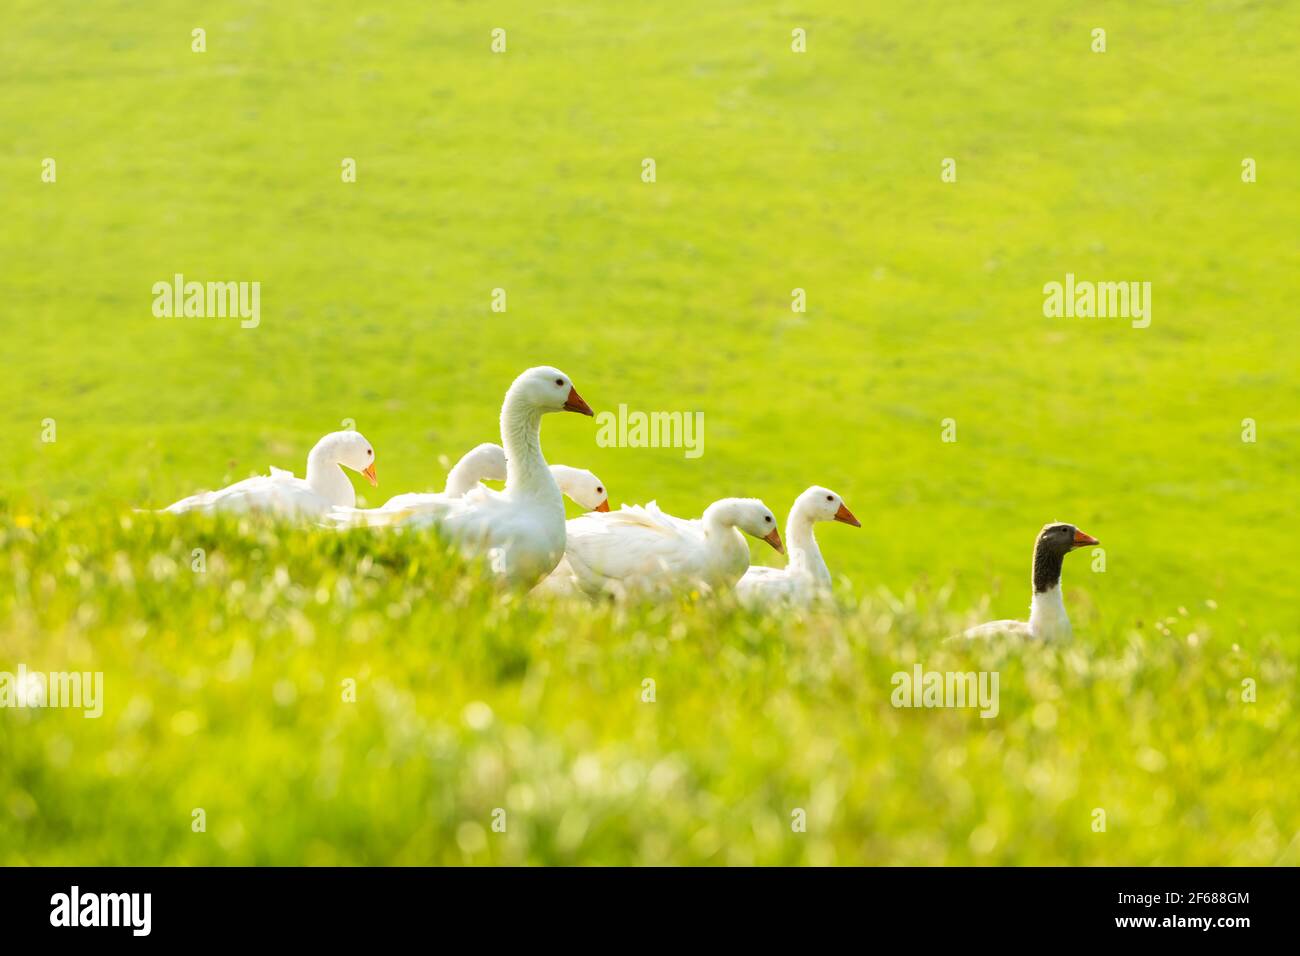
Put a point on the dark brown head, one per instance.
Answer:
(1055, 541)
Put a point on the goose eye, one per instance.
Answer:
(559, 381)
(600, 490)
(767, 518)
(369, 452)
(830, 497)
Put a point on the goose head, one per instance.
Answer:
(548, 389)
(822, 504)
(1054, 542)
(748, 515)
(351, 450)
(581, 486)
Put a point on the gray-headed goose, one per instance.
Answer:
(1047, 617)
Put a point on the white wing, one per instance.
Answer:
(279, 493)
(995, 629)
(632, 548)
(562, 580)
(761, 585)
(403, 510)
(414, 503)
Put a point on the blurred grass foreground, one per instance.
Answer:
(329, 698)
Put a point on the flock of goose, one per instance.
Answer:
(522, 535)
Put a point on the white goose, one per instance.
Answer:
(487, 462)
(519, 531)
(283, 495)
(640, 549)
(805, 577)
(1047, 617)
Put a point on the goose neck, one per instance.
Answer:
(461, 478)
(1046, 567)
(721, 533)
(718, 520)
(486, 462)
(801, 542)
(521, 426)
(1047, 617)
(325, 475)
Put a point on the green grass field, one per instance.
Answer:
(775, 171)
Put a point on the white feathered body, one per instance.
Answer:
(805, 578)
(279, 494)
(1047, 620)
(789, 585)
(640, 548)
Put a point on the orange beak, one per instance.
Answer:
(774, 539)
(576, 404)
(845, 515)
(1081, 539)
(370, 474)
(603, 506)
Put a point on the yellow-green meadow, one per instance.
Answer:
(952, 261)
